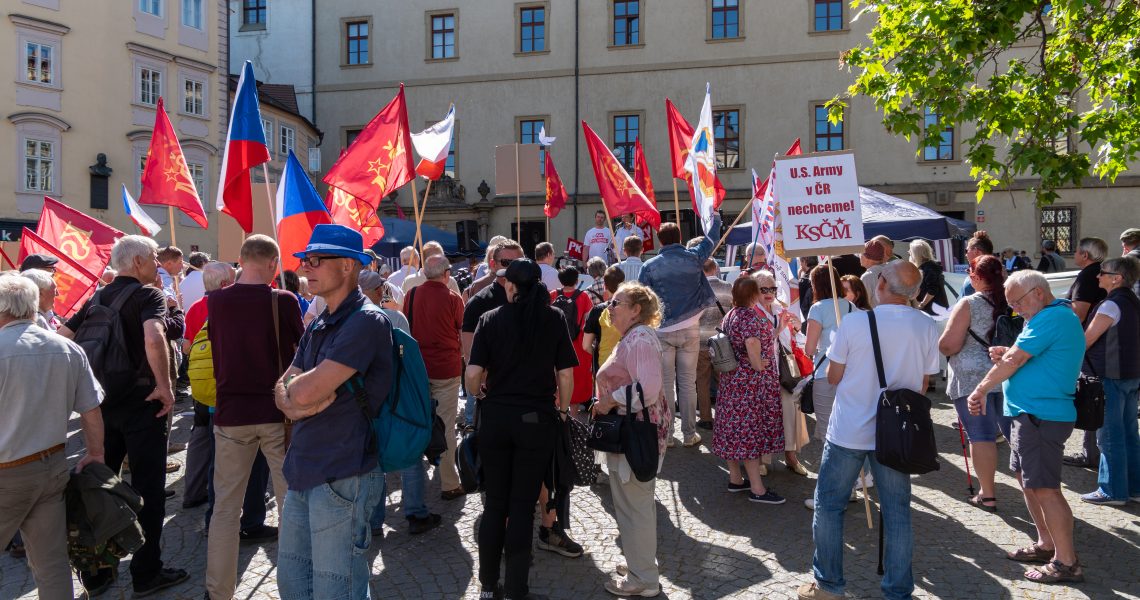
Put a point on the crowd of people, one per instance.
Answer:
(297, 361)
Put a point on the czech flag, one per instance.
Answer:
(138, 215)
(433, 145)
(299, 210)
(245, 149)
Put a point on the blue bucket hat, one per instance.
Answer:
(336, 240)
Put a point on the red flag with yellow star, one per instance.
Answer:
(556, 195)
(380, 159)
(617, 189)
(166, 178)
(355, 213)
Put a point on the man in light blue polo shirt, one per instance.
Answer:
(1038, 376)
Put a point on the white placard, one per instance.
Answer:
(819, 204)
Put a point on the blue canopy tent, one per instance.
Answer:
(887, 215)
(400, 233)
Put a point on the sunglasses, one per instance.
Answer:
(315, 261)
(767, 290)
(506, 262)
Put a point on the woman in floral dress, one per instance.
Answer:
(749, 421)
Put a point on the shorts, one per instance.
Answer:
(1036, 449)
(984, 428)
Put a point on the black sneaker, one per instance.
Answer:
(705, 424)
(98, 582)
(769, 497)
(418, 525)
(258, 535)
(165, 578)
(555, 539)
(739, 487)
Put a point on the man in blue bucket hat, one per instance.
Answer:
(324, 534)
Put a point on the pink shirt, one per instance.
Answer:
(637, 358)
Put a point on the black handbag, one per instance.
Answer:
(1089, 401)
(807, 399)
(904, 431)
(467, 458)
(586, 470)
(790, 375)
(639, 439)
(605, 432)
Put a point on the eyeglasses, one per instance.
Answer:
(1018, 301)
(1103, 272)
(767, 290)
(315, 261)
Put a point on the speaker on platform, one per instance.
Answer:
(467, 234)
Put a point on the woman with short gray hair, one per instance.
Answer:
(19, 298)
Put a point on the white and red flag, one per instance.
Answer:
(433, 145)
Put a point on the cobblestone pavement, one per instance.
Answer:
(711, 544)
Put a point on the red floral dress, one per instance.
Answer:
(749, 418)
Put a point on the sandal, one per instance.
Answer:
(1056, 572)
(1031, 554)
(981, 503)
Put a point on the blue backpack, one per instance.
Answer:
(403, 427)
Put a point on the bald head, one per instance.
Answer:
(435, 267)
(898, 283)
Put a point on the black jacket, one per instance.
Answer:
(102, 516)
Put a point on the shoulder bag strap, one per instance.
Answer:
(276, 328)
(411, 303)
(721, 307)
(978, 338)
(126, 294)
(878, 352)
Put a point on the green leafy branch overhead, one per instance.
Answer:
(1029, 76)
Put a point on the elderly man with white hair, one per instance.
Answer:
(43, 379)
(137, 403)
(409, 263)
(45, 316)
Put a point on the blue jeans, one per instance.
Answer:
(412, 480)
(837, 474)
(984, 428)
(324, 541)
(1119, 440)
(469, 409)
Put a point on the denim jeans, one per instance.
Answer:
(1119, 440)
(679, 351)
(324, 541)
(468, 409)
(411, 497)
(837, 473)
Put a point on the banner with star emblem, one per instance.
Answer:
(166, 177)
(379, 161)
(82, 238)
(819, 208)
(556, 195)
(617, 189)
(73, 282)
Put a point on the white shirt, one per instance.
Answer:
(549, 277)
(908, 339)
(596, 242)
(631, 267)
(621, 233)
(192, 288)
(397, 278)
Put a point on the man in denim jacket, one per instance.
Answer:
(677, 276)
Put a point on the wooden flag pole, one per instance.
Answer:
(677, 206)
(613, 236)
(518, 198)
(269, 198)
(173, 242)
(747, 207)
(418, 242)
(423, 211)
(548, 229)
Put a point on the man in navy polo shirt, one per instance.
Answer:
(324, 534)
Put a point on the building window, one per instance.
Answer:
(39, 162)
(198, 176)
(193, 97)
(356, 43)
(443, 36)
(1059, 223)
(532, 29)
(726, 130)
(192, 13)
(528, 134)
(288, 140)
(350, 136)
(39, 60)
(725, 19)
(253, 12)
(150, 86)
(627, 23)
(944, 149)
(151, 7)
(626, 130)
(828, 15)
(828, 136)
(267, 129)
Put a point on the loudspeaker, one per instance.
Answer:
(467, 235)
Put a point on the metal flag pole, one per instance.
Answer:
(677, 206)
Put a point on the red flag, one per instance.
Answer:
(617, 189)
(380, 159)
(355, 213)
(760, 187)
(680, 138)
(556, 195)
(80, 237)
(74, 284)
(574, 248)
(641, 172)
(166, 177)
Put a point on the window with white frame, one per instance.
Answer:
(198, 176)
(39, 165)
(192, 13)
(149, 85)
(193, 97)
(151, 7)
(288, 139)
(267, 129)
(40, 60)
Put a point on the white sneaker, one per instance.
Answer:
(692, 440)
(809, 504)
(625, 587)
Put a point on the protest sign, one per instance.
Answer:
(573, 249)
(819, 204)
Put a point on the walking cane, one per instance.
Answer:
(965, 458)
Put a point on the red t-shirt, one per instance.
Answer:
(195, 318)
(243, 345)
(583, 373)
(436, 318)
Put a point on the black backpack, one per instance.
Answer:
(103, 341)
(1006, 328)
(568, 306)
